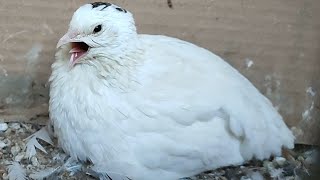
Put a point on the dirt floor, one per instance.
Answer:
(14, 161)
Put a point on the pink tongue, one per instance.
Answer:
(76, 53)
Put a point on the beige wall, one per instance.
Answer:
(279, 39)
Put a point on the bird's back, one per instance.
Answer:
(202, 113)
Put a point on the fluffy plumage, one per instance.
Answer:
(148, 106)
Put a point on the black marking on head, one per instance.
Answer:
(97, 4)
(170, 5)
(121, 9)
(105, 4)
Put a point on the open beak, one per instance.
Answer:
(78, 47)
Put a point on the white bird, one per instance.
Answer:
(154, 107)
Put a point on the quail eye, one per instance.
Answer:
(97, 29)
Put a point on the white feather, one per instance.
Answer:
(276, 173)
(70, 165)
(33, 143)
(107, 175)
(16, 172)
(147, 106)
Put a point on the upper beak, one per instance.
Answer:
(70, 36)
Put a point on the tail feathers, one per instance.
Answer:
(262, 146)
(290, 139)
